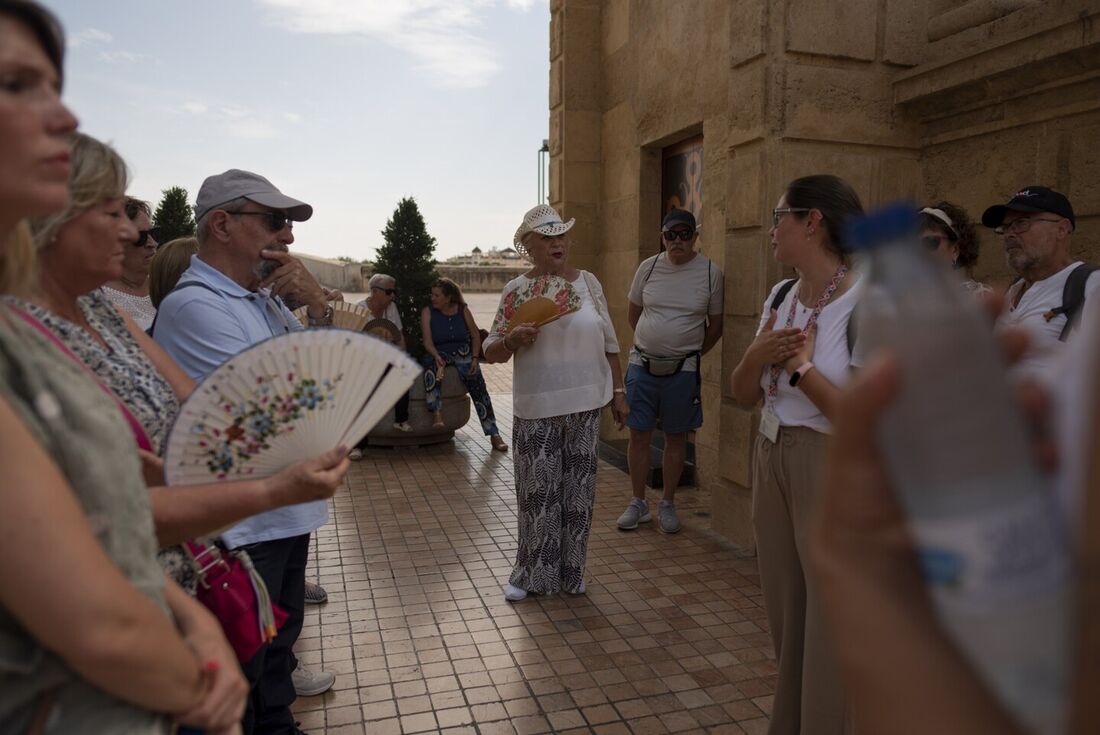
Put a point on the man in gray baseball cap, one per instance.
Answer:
(231, 297)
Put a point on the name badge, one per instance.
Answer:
(769, 425)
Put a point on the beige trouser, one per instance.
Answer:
(787, 475)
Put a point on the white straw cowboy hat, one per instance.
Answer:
(544, 220)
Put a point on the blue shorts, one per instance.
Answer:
(670, 403)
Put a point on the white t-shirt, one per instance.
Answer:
(391, 313)
(1028, 314)
(1071, 384)
(566, 370)
(675, 301)
(831, 356)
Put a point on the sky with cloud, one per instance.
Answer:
(346, 104)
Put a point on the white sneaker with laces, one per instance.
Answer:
(311, 683)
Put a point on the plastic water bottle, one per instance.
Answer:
(992, 543)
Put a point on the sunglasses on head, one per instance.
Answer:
(387, 291)
(144, 235)
(276, 221)
(684, 235)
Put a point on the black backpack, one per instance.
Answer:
(1073, 298)
(785, 288)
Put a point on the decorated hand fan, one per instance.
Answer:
(544, 300)
(284, 400)
(345, 315)
(383, 329)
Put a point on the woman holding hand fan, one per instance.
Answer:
(555, 322)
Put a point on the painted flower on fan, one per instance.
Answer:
(256, 421)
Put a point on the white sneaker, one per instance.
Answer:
(513, 593)
(355, 454)
(404, 426)
(581, 589)
(311, 683)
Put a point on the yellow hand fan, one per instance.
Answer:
(541, 301)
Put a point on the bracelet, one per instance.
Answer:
(619, 390)
(506, 345)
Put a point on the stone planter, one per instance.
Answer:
(456, 412)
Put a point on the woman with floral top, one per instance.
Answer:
(564, 373)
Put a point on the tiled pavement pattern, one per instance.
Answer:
(671, 636)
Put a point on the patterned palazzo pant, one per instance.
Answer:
(555, 466)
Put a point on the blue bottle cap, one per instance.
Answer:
(892, 222)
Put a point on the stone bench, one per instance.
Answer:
(456, 412)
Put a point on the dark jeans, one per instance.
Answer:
(282, 565)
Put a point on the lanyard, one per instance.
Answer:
(822, 301)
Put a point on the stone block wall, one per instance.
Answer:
(924, 99)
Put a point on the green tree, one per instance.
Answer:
(174, 216)
(408, 255)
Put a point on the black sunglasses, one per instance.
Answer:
(144, 235)
(684, 235)
(276, 221)
(387, 291)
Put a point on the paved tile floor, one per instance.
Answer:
(671, 636)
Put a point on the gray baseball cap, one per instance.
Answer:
(234, 183)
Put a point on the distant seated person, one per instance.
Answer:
(451, 337)
(380, 303)
(130, 291)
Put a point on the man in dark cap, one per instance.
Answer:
(1036, 225)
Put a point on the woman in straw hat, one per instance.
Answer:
(564, 372)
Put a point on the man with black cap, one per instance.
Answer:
(676, 312)
(231, 297)
(1046, 301)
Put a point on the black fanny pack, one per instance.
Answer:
(662, 367)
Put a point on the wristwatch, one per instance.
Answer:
(800, 373)
(326, 318)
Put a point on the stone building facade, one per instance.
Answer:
(964, 100)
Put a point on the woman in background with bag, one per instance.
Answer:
(92, 638)
(564, 373)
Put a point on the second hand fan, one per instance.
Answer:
(345, 315)
(284, 400)
(545, 299)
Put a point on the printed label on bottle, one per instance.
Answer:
(982, 560)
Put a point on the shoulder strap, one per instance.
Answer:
(1073, 296)
(178, 287)
(651, 267)
(784, 289)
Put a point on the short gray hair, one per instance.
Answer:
(202, 227)
(378, 279)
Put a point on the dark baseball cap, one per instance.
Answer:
(678, 217)
(1031, 199)
(235, 183)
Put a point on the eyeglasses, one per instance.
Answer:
(1021, 225)
(276, 221)
(387, 291)
(932, 242)
(778, 213)
(144, 235)
(685, 235)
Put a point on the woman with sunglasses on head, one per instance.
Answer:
(797, 364)
(947, 231)
(92, 638)
(130, 291)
